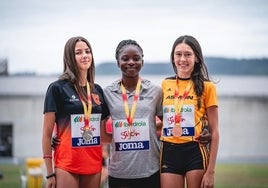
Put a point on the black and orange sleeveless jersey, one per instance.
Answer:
(73, 154)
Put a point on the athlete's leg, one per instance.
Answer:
(169, 180)
(66, 179)
(194, 178)
(90, 181)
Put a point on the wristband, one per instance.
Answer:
(47, 156)
(50, 176)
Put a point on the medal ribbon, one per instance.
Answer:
(130, 115)
(87, 108)
(178, 103)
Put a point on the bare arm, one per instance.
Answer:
(212, 113)
(159, 123)
(48, 125)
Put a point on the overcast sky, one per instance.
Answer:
(33, 32)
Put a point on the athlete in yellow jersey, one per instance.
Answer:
(189, 105)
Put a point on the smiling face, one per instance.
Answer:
(184, 60)
(130, 60)
(83, 56)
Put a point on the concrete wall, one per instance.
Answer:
(25, 114)
(243, 128)
(242, 120)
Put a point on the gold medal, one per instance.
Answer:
(130, 114)
(87, 135)
(177, 131)
(129, 133)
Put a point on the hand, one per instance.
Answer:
(51, 182)
(205, 137)
(55, 142)
(207, 180)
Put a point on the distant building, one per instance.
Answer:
(3, 67)
(243, 105)
(21, 115)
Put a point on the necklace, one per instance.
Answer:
(177, 130)
(130, 114)
(86, 134)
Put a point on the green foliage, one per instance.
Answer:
(226, 176)
(215, 65)
(226, 66)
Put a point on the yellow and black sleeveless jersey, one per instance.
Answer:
(192, 119)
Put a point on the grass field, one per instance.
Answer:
(227, 176)
(241, 176)
(11, 176)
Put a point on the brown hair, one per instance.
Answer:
(71, 71)
(200, 72)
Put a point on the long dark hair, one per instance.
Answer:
(71, 71)
(200, 72)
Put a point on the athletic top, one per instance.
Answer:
(74, 154)
(192, 118)
(137, 157)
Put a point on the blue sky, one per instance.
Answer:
(33, 32)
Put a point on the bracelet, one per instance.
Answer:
(51, 175)
(47, 156)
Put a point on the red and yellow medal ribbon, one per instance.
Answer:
(130, 114)
(178, 103)
(87, 108)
